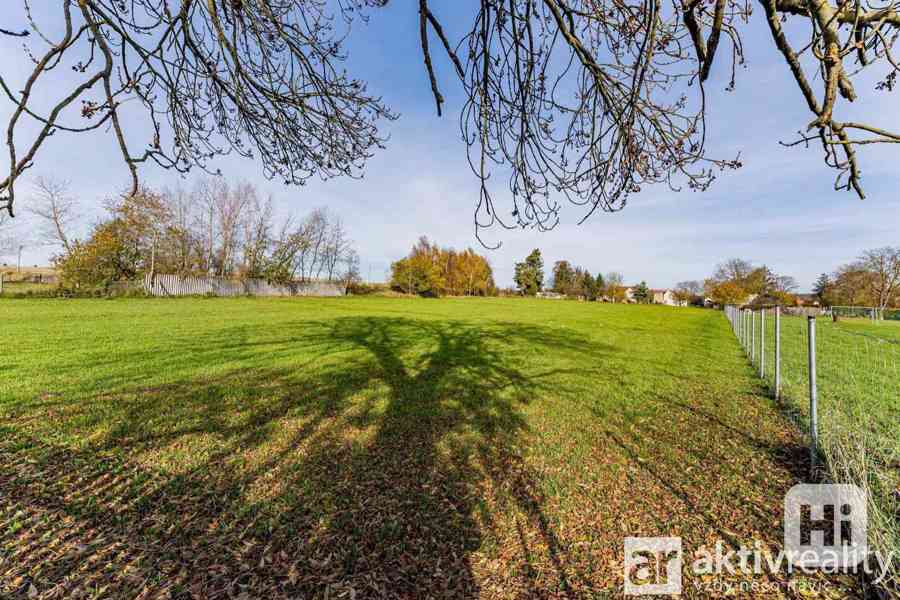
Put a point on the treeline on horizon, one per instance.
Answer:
(216, 228)
(223, 229)
(432, 271)
(739, 281)
(572, 282)
(872, 280)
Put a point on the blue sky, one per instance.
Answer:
(779, 209)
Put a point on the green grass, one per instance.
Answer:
(886, 329)
(374, 447)
(13, 289)
(858, 369)
(858, 390)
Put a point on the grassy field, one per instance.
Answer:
(858, 370)
(375, 447)
(14, 289)
(858, 381)
(889, 330)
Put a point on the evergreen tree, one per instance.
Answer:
(599, 285)
(821, 286)
(563, 277)
(641, 293)
(583, 283)
(589, 285)
(529, 276)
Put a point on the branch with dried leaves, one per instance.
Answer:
(851, 29)
(585, 100)
(260, 79)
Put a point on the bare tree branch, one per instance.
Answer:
(212, 77)
(56, 210)
(588, 101)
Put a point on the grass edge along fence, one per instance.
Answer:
(844, 392)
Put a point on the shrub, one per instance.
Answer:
(366, 289)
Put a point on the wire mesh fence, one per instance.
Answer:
(876, 315)
(841, 380)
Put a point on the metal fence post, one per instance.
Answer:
(744, 328)
(777, 352)
(752, 336)
(762, 343)
(747, 313)
(813, 393)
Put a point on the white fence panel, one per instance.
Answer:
(165, 284)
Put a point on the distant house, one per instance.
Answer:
(667, 297)
(808, 300)
(629, 293)
(550, 295)
(657, 296)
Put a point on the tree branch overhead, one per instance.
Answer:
(588, 101)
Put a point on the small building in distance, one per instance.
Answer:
(548, 295)
(657, 296)
(808, 300)
(667, 297)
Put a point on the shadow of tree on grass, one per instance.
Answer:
(358, 472)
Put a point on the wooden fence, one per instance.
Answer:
(176, 285)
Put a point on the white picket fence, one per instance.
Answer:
(176, 285)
